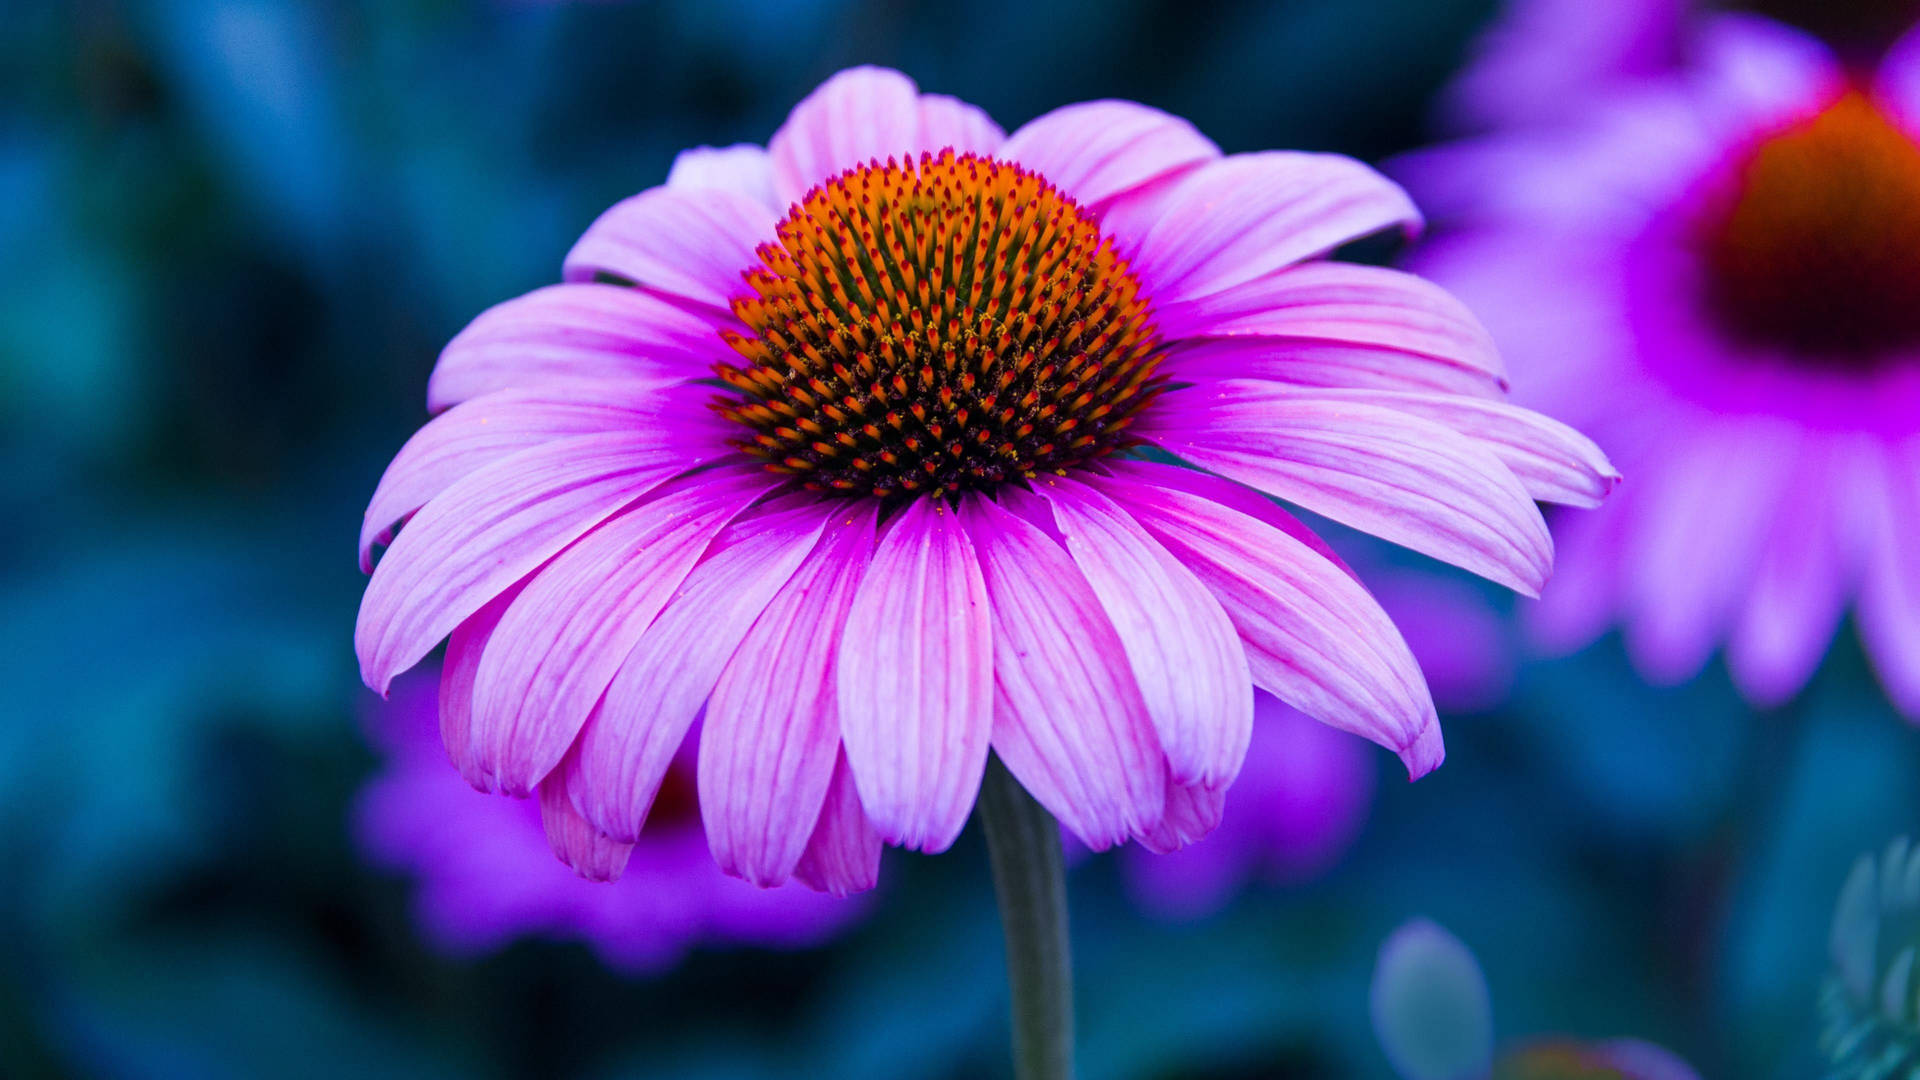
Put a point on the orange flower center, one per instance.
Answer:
(938, 326)
(1817, 251)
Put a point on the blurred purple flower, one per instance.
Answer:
(1305, 790)
(486, 875)
(1433, 1015)
(1544, 59)
(1717, 273)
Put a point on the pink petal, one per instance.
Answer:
(583, 331)
(592, 854)
(772, 732)
(464, 649)
(866, 114)
(1068, 718)
(478, 432)
(630, 740)
(916, 680)
(578, 619)
(1685, 550)
(1340, 304)
(1193, 811)
(1551, 460)
(843, 857)
(1185, 653)
(1795, 602)
(743, 168)
(1890, 595)
(1396, 476)
(1231, 495)
(1321, 364)
(1248, 215)
(692, 243)
(949, 122)
(1096, 151)
(491, 529)
(1314, 638)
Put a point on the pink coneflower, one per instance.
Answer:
(1718, 274)
(487, 876)
(836, 442)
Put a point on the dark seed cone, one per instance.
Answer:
(938, 326)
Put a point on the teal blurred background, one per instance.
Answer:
(236, 233)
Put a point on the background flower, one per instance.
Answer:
(1706, 271)
(485, 873)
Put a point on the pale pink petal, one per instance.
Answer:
(1341, 304)
(866, 114)
(949, 122)
(1233, 496)
(1314, 637)
(692, 243)
(592, 854)
(1794, 603)
(577, 620)
(1397, 476)
(583, 331)
(630, 740)
(1890, 595)
(1579, 604)
(1321, 363)
(743, 168)
(1096, 151)
(1551, 460)
(772, 731)
(1068, 718)
(843, 857)
(1193, 811)
(491, 529)
(1184, 651)
(1248, 215)
(464, 649)
(1756, 73)
(1687, 549)
(916, 680)
(478, 432)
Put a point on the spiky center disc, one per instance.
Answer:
(938, 326)
(1815, 251)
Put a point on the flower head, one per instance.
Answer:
(486, 874)
(835, 444)
(1717, 273)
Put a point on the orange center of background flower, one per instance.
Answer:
(1817, 251)
(938, 326)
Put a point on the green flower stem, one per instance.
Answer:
(1029, 879)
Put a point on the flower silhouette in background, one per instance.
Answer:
(1305, 791)
(1433, 1016)
(1868, 1007)
(1716, 272)
(830, 442)
(487, 876)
